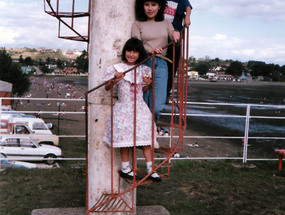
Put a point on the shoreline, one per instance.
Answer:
(234, 83)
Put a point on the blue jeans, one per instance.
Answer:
(160, 87)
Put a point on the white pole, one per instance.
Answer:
(110, 26)
(246, 131)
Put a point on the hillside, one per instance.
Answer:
(36, 54)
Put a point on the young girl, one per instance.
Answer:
(123, 117)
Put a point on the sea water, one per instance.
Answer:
(264, 99)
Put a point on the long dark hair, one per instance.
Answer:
(140, 14)
(134, 44)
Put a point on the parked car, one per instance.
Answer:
(22, 129)
(15, 146)
(35, 124)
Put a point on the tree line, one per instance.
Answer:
(270, 72)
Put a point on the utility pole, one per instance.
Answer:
(110, 27)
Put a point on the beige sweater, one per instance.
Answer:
(153, 34)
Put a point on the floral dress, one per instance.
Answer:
(123, 110)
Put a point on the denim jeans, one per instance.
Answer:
(170, 56)
(160, 87)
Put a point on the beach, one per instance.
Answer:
(52, 89)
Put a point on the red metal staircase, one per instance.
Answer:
(115, 202)
(67, 18)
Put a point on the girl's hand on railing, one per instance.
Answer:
(117, 77)
(175, 36)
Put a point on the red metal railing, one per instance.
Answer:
(71, 15)
(114, 202)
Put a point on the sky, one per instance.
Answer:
(240, 30)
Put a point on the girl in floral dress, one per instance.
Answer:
(123, 111)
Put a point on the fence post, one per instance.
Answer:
(246, 130)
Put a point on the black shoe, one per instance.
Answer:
(128, 175)
(155, 179)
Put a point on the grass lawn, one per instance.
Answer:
(194, 187)
(216, 187)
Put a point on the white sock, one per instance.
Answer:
(149, 169)
(126, 167)
(149, 166)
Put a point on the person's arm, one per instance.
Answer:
(172, 33)
(187, 20)
(119, 76)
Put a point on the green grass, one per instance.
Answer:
(218, 188)
(194, 187)
(23, 190)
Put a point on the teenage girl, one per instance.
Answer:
(154, 31)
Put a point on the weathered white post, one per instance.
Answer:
(110, 27)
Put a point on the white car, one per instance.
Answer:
(35, 124)
(14, 146)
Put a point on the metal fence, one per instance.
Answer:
(270, 112)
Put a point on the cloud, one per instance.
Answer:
(7, 35)
(243, 9)
(27, 25)
(220, 37)
(239, 30)
(225, 47)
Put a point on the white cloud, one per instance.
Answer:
(226, 47)
(27, 25)
(7, 36)
(243, 9)
(239, 30)
(220, 37)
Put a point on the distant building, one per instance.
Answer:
(6, 91)
(15, 60)
(218, 68)
(44, 50)
(219, 76)
(225, 77)
(26, 69)
(242, 77)
(52, 66)
(77, 52)
(260, 78)
(57, 71)
(69, 70)
(193, 75)
(245, 77)
(212, 74)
